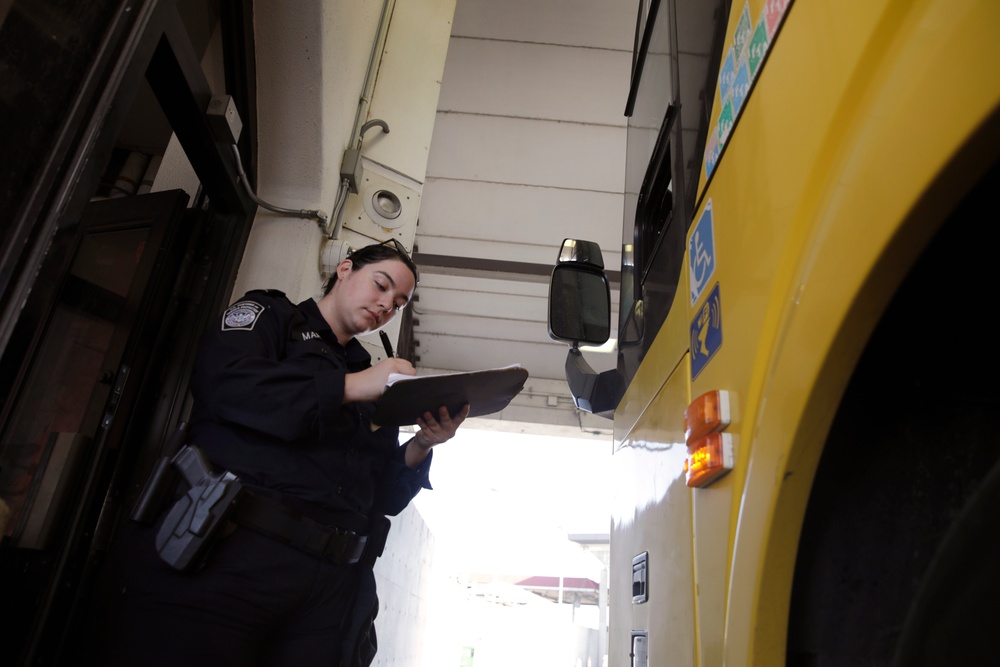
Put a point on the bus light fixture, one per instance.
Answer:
(707, 414)
(710, 452)
(711, 458)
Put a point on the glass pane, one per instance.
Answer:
(579, 305)
(46, 48)
(58, 408)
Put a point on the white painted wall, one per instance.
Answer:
(409, 84)
(530, 132)
(311, 62)
(312, 57)
(404, 574)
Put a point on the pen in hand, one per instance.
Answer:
(386, 344)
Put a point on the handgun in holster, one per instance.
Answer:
(198, 518)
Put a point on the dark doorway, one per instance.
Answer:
(102, 296)
(61, 435)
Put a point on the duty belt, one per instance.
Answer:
(280, 523)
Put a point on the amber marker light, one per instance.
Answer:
(708, 459)
(707, 414)
(710, 452)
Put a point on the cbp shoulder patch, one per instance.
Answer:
(241, 315)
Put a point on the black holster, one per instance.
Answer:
(197, 518)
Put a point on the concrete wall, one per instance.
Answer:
(311, 63)
(403, 574)
(312, 59)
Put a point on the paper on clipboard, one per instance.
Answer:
(408, 397)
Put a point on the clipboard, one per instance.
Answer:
(408, 397)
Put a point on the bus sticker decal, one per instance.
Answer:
(701, 253)
(741, 85)
(727, 74)
(706, 332)
(758, 46)
(726, 118)
(711, 150)
(743, 30)
(739, 69)
(774, 10)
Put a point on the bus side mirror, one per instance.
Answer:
(579, 295)
(580, 313)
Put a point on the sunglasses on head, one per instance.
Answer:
(397, 246)
(369, 250)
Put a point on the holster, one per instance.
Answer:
(197, 518)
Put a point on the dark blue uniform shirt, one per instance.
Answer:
(269, 406)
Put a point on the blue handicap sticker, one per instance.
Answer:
(701, 253)
(706, 332)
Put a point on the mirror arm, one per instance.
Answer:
(598, 393)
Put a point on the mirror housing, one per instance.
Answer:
(580, 313)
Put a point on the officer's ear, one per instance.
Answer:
(344, 268)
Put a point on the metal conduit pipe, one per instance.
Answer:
(373, 58)
(310, 214)
(360, 127)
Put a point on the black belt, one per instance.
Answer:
(278, 522)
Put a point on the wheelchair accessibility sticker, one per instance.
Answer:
(706, 332)
(701, 253)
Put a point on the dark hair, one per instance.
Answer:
(372, 254)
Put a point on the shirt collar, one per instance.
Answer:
(354, 349)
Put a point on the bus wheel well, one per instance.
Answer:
(908, 451)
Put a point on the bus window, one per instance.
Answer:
(673, 81)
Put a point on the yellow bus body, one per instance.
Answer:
(867, 124)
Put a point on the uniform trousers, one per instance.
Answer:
(257, 602)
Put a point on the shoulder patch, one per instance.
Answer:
(241, 315)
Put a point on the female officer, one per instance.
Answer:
(283, 395)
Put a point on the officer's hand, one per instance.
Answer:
(435, 431)
(369, 384)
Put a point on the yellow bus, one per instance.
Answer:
(804, 466)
